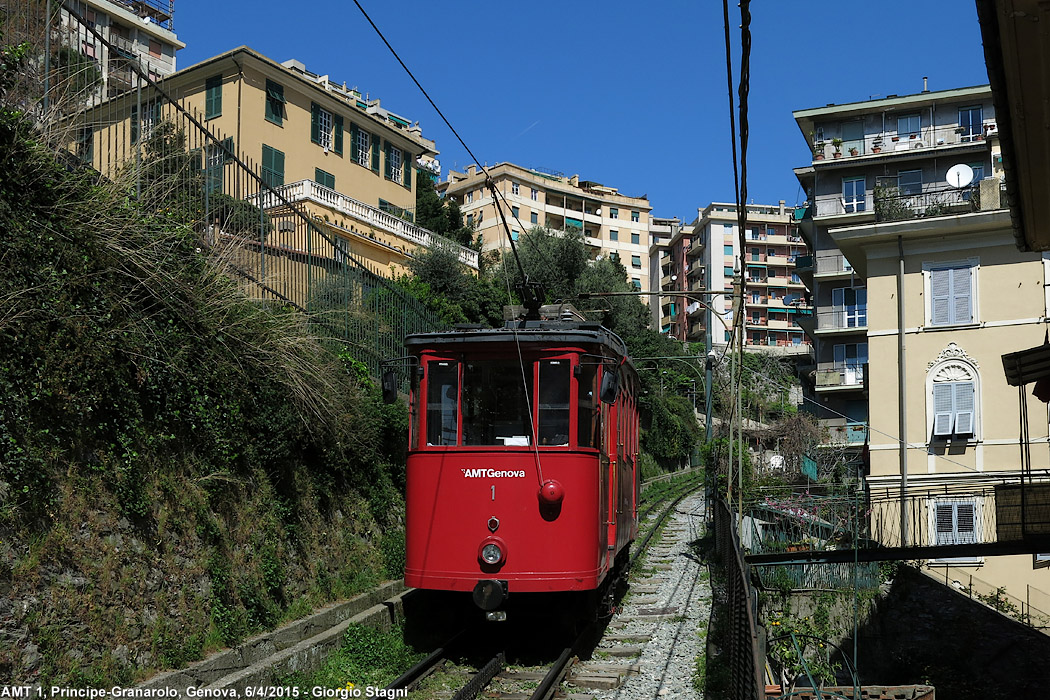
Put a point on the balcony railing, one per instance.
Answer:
(893, 203)
(312, 191)
(840, 375)
(842, 318)
(957, 522)
(891, 142)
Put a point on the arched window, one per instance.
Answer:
(953, 396)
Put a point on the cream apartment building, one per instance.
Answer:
(774, 296)
(350, 163)
(918, 281)
(611, 223)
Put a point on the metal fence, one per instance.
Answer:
(741, 651)
(106, 110)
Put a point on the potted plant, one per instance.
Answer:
(818, 150)
(876, 146)
(837, 144)
(853, 150)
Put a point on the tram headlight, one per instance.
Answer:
(491, 554)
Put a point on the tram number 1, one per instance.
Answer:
(494, 492)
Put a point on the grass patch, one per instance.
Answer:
(368, 657)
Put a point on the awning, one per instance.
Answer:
(1027, 366)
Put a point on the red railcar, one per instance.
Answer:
(523, 460)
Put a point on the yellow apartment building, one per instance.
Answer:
(611, 223)
(326, 149)
(920, 289)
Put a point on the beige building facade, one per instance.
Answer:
(349, 163)
(611, 223)
(920, 289)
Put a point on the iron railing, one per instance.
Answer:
(741, 652)
(160, 153)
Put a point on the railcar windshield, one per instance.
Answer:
(554, 402)
(442, 395)
(496, 403)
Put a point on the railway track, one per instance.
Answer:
(460, 670)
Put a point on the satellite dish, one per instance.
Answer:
(960, 175)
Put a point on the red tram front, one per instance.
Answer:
(522, 466)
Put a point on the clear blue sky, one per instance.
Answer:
(628, 95)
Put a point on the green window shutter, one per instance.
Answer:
(324, 178)
(213, 97)
(272, 166)
(274, 102)
(388, 171)
(228, 156)
(315, 132)
(353, 141)
(406, 168)
(375, 154)
(337, 141)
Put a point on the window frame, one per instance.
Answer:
(636, 216)
(213, 97)
(514, 188)
(275, 101)
(958, 373)
(967, 132)
(910, 189)
(928, 272)
(858, 205)
(909, 132)
(935, 536)
(269, 173)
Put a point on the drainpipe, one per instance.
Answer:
(902, 412)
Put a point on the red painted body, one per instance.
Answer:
(564, 511)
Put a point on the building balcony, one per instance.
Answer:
(893, 203)
(308, 190)
(841, 320)
(846, 432)
(831, 266)
(835, 377)
(875, 146)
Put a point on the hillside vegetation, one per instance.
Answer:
(179, 467)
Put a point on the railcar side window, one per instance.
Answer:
(496, 403)
(442, 394)
(587, 416)
(554, 402)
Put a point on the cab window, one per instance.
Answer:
(442, 396)
(554, 402)
(495, 403)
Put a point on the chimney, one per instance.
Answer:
(924, 79)
(782, 203)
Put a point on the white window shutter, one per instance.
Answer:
(940, 297)
(943, 410)
(944, 523)
(962, 305)
(964, 408)
(965, 522)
